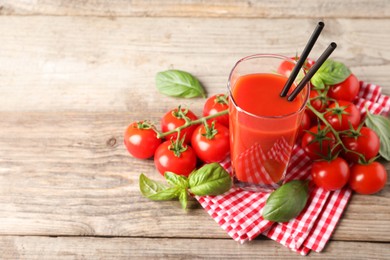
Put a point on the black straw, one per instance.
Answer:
(302, 58)
(312, 71)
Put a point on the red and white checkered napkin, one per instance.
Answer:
(239, 212)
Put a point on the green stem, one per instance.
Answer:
(321, 117)
(335, 133)
(190, 123)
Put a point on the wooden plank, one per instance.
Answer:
(364, 213)
(193, 8)
(147, 248)
(97, 64)
(69, 174)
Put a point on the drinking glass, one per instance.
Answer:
(262, 142)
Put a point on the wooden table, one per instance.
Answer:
(74, 74)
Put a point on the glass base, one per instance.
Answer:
(256, 187)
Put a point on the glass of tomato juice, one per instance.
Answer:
(263, 125)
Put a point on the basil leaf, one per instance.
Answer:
(156, 191)
(211, 179)
(381, 126)
(317, 82)
(330, 73)
(177, 83)
(286, 202)
(176, 180)
(147, 186)
(183, 198)
(168, 194)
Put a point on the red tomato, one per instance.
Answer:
(215, 104)
(285, 68)
(141, 140)
(211, 144)
(346, 90)
(173, 119)
(319, 101)
(305, 123)
(366, 142)
(368, 178)
(341, 114)
(330, 175)
(318, 142)
(180, 160)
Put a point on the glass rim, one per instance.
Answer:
(277, 56)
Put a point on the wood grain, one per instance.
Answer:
(97, 64)
(203, 8)
(149, 248)
(69, 174)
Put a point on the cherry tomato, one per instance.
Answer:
(215, 104)
(319, 101)
(330, 175)
(368, 178)
(211, 144)
(346, 90)
(341, 114)
(305, 124)
(176, 157)
(174, 119)
(366, 143)
(285, 68)
(318, 142)
(141, 140)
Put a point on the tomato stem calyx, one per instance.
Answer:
(181, 113)
(221, 99)
(363, 161)
(210, 131)
(320, 136)
(352, 132)
(339, 111)
(144, 125)
(322, 97)
(177, 146)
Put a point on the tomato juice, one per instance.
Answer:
(263, 127)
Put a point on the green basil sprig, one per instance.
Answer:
(381, 126)
(330, 73)
(177, 83)
(211, 179)
(286, 202)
